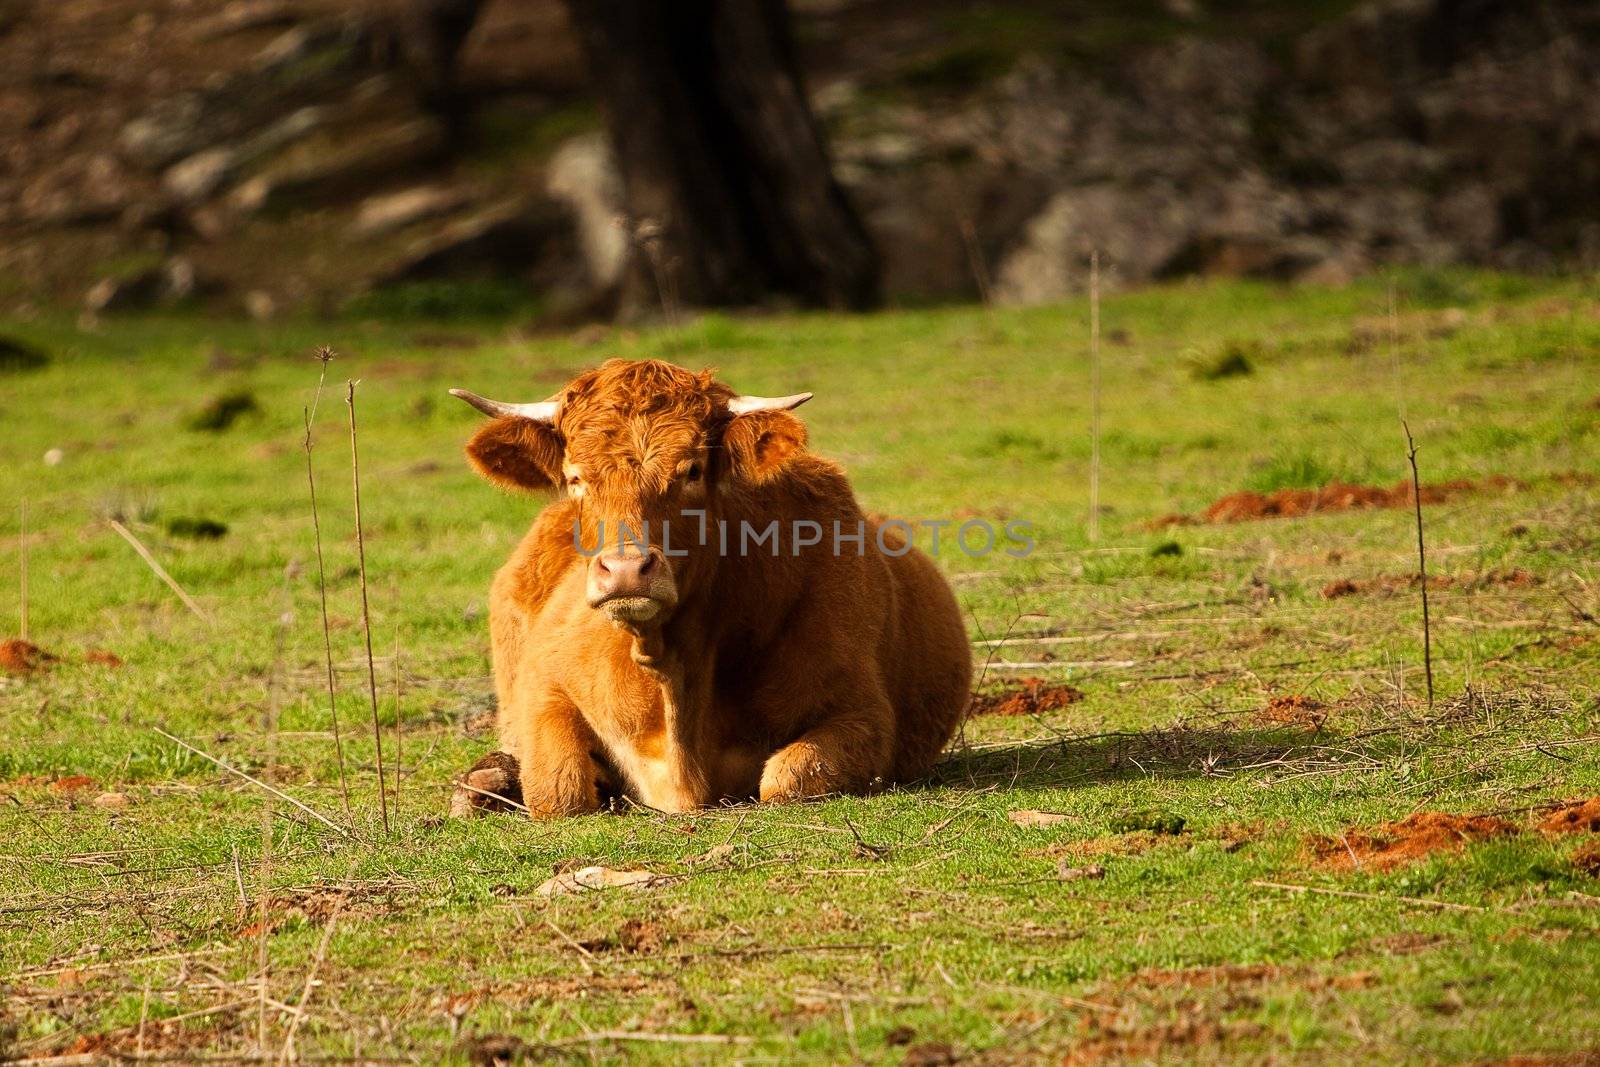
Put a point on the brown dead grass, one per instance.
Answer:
(1411, 839)
(1032, 696)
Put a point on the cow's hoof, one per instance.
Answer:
(492, 784)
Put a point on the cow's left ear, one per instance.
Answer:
(517, 453)
(760, 443)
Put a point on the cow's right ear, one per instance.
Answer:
(517, 453)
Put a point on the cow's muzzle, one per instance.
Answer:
(632, 588)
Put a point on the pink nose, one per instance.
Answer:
(629, 575)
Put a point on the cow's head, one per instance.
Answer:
(652, 454)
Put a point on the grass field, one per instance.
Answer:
(919, 926)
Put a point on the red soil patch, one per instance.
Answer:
(1293, 709)
(23, 657)
(72, 783)
(102, 657)
(1108, 1039)
(1248, 505)
(1587, 859)
(1391, 584)
(1034, 696)
(1244, 974)
(1413, 838)
(1579, 817)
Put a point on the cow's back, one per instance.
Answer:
(927, 661)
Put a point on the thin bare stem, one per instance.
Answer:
(323, 819)
(399, 764)
(1422, 562)
(1094, 395)
(1394, 353)
(975, 261)
(22, 550)
(264, 869)
(287, 1054)
(160, 571)
(366, 613)
(322, 594)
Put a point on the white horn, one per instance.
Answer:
(743, 405)
(544, 411)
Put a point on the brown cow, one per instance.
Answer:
(686, 668)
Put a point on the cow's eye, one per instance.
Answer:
(694, 472)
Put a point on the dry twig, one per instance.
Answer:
(160, 571)
(325, 355)
(366, 614)
(324, 820)
(1094, 395)
(1422, 562)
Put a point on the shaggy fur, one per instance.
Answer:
(774, 677)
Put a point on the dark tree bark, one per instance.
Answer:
(432, 33)
(723, 166)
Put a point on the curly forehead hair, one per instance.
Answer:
(620, 388)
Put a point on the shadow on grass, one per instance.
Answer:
(1177, 752)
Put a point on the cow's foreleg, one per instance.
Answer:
(846, 753)
(562, 772)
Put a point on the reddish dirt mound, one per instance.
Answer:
(1579, 817)
(1293, 709)
(1110, 1039)
(1251, 973)
(1248, 505)
(1391, 584)
(1034, 696)
(1413, 838)
(1587, 859)
(103, 657)
(23, 657)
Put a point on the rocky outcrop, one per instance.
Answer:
(1420, 131)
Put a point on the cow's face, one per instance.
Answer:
(653, 455)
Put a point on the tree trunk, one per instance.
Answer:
(728, 183)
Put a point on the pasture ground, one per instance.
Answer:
(928, 924)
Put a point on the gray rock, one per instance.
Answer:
(200, 175)
(388, 212)
(583, 176)
(1137, 232)
(298, 68)
(322, 177)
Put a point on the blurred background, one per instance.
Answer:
(603, 159)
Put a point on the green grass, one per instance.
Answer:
(830, 928)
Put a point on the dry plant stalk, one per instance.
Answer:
(160, 571)
(22, 551)
(399, 764)
(975, 261)
(288, 1054)
(1094, 395)
(280, 794)
(325, 355)
(366, 613)
(1422, 562)
(648, 234)
(264, 868)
